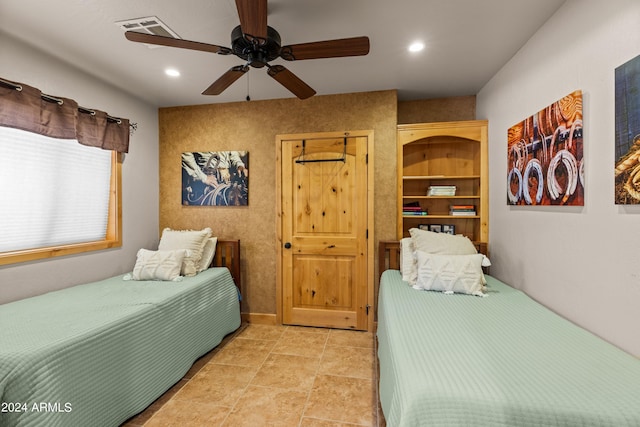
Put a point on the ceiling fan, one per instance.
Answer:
(259, 44)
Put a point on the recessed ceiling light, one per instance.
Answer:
(416, 47)
(172, 72)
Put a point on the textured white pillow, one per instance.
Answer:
(192, 240)
(441, 243)
(445, 244)
(450, 273)
(158, 265)
(207, 253)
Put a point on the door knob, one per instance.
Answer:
(287, 245)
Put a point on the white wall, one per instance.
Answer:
(582, 262)
(140, 188)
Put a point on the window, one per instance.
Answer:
(57, 197)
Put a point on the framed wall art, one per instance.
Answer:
(545, 164)
(215, 178)
(627, 138)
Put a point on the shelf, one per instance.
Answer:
(440, 216)
(433, 177)
(408, 196)
(444, 154)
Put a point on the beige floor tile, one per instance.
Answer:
(314, 422)
(244, 352)
(344, 399)
(358, 362)
(222, 372)
(287, 371)
(177, 413)
(219, 384)
(141, 418)
(308, 329)
(207, 357)
(262, 332)
(300, 343)
(267, 406)
(345, 338)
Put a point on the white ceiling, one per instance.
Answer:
(467, 42)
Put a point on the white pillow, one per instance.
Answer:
(191, 240)
(450, 273)
(158, 265)
(441, 243)
(408, 266)
(208, 252)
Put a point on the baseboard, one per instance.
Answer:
(259, 318)
(270, 319)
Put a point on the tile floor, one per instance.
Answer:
(276, 376)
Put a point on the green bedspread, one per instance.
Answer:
(503, 360)
(97, 354)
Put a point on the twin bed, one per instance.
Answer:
(501, 360)
(99, 353)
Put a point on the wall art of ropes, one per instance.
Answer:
(627, 135)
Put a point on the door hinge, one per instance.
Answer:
(368, 307)
(366, 158)
(367, 233)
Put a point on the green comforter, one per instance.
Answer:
(97, 354)
(503, 360)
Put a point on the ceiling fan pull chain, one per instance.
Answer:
(248, 97)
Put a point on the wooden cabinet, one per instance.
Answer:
(434, 159)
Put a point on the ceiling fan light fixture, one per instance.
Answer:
(172, 72)
(416, 47)
(254, 42)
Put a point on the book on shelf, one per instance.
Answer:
(441, 190)
(413, 208)
(414, 213)
(462, 210)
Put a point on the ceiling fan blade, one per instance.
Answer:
(354, 46)
(253, 19)
(135, 36)
(226, 80)
(289, 80)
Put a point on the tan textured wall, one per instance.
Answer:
(437, 110)
(253, 126)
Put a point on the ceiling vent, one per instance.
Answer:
(148, 25)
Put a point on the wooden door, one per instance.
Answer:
(324, 236)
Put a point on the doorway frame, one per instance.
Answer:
(370, 260)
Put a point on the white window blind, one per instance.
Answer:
(53, 192)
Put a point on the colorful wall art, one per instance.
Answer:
(215, 178)
(545, 156)
(627, 144)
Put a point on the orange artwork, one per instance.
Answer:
(545, 156)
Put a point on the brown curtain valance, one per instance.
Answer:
(27, 108)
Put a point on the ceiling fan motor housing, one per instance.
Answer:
(258, 52)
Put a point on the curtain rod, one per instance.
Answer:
(59, 101)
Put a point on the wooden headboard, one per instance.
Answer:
(228, 255)
(388, 255)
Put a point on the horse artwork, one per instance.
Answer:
(545, 164)
(627, 137)
(215, 178)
